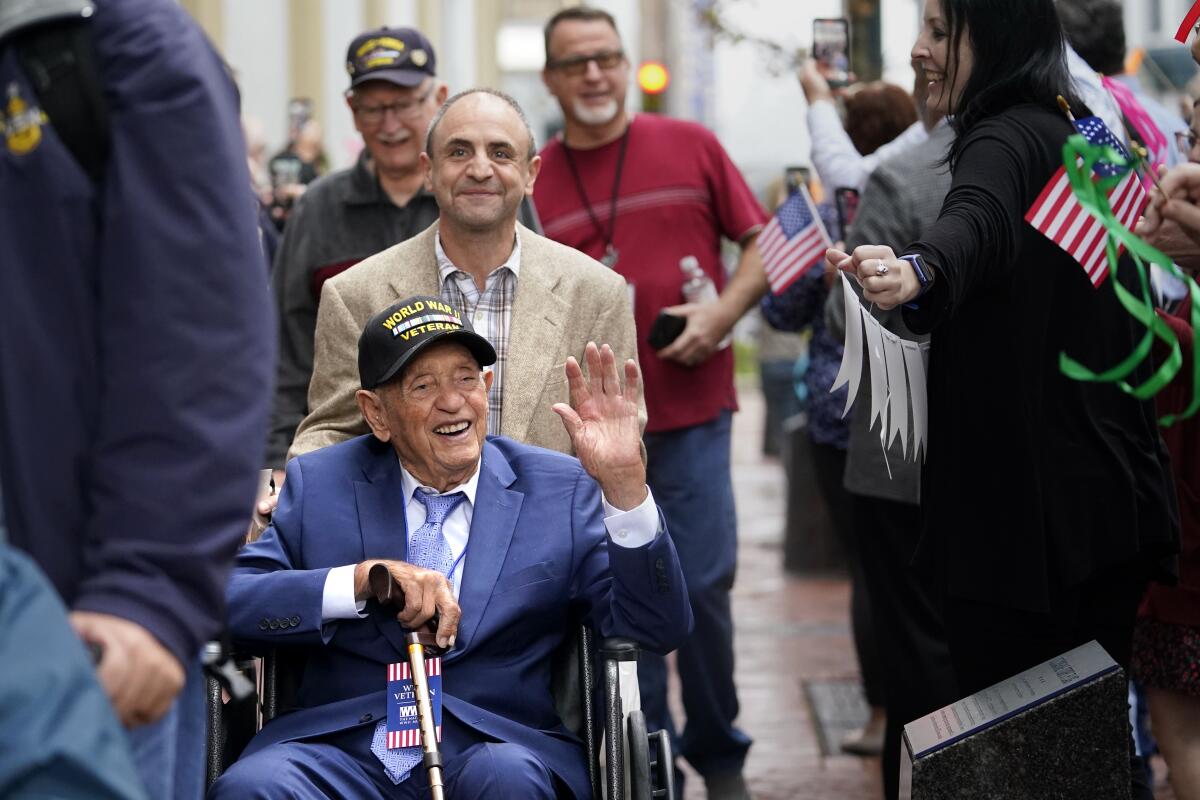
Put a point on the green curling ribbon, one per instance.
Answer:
(1092, 195)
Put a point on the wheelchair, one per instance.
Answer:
(623, 759)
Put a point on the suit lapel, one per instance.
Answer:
(382, 524)
(493, 521)
(416, 270)
(535, 338)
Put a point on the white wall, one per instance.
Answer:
(900, 21)
(758, 116)
(256, 46)
(340, 23)
(456, 59)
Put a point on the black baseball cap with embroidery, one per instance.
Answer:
(402, 56)
(395, 336)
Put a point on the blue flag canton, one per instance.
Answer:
(1097, 133)
(794, 215)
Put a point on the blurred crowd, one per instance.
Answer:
(466, 317)
(925, 184)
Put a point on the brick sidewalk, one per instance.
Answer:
(788, 631)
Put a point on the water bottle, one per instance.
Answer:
(699, 288)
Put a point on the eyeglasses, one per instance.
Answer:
(577, 65)
(1186, 141)
(404, 109)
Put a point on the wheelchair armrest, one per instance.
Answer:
(232, 724)
(620, 648)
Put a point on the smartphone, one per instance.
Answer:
(846, 202)
(831, 49)
(795, 177)
(299, 112)
(666, 329)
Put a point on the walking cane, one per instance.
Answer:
(419, 643)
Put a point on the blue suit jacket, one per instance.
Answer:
(538, 552)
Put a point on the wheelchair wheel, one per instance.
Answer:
(662, 767)
(639, 757)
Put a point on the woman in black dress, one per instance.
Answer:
(1047, 502)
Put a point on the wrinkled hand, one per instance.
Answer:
(424, 591)
(603, 425)
(1175, 202)
(813, 82)
(887, 281)
(138, 674)
(1172, 240)
(707, 324)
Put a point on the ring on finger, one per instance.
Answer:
(880, 267)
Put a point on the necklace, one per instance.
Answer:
(609, 259)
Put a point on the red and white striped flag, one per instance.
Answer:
(793, 241)
(1057, 215)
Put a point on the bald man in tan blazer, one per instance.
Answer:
(563, 300)
(484, 163)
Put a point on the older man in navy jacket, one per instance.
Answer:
(532, 536)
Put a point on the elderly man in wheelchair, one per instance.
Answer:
(495, 547)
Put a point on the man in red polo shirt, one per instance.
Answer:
(643, 194)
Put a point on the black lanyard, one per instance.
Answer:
(609, 259)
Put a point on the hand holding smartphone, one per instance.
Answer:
(831, 49)
(666, 329)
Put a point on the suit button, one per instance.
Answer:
(274, 625)
(262, 624)
(295, 621)
(659, 564)
(365, 718)
(285, 623)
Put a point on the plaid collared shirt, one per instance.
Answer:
(490, 312)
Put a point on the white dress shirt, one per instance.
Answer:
(632, 528)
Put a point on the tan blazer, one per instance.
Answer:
(564, 299)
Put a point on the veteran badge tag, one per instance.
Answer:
(22, 122)
(403, 724)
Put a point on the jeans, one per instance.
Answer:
(688, 472)
(169, 754)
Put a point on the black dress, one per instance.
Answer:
(1036, 488)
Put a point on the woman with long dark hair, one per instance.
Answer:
(1046, 502)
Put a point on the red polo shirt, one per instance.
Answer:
(679, 194)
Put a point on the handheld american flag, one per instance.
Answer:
(792, 242)
(1058, 215)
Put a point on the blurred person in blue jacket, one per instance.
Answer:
(135, 373)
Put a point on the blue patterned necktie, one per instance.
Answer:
(428, 548)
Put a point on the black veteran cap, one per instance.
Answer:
(402, 56)
(395, 336)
